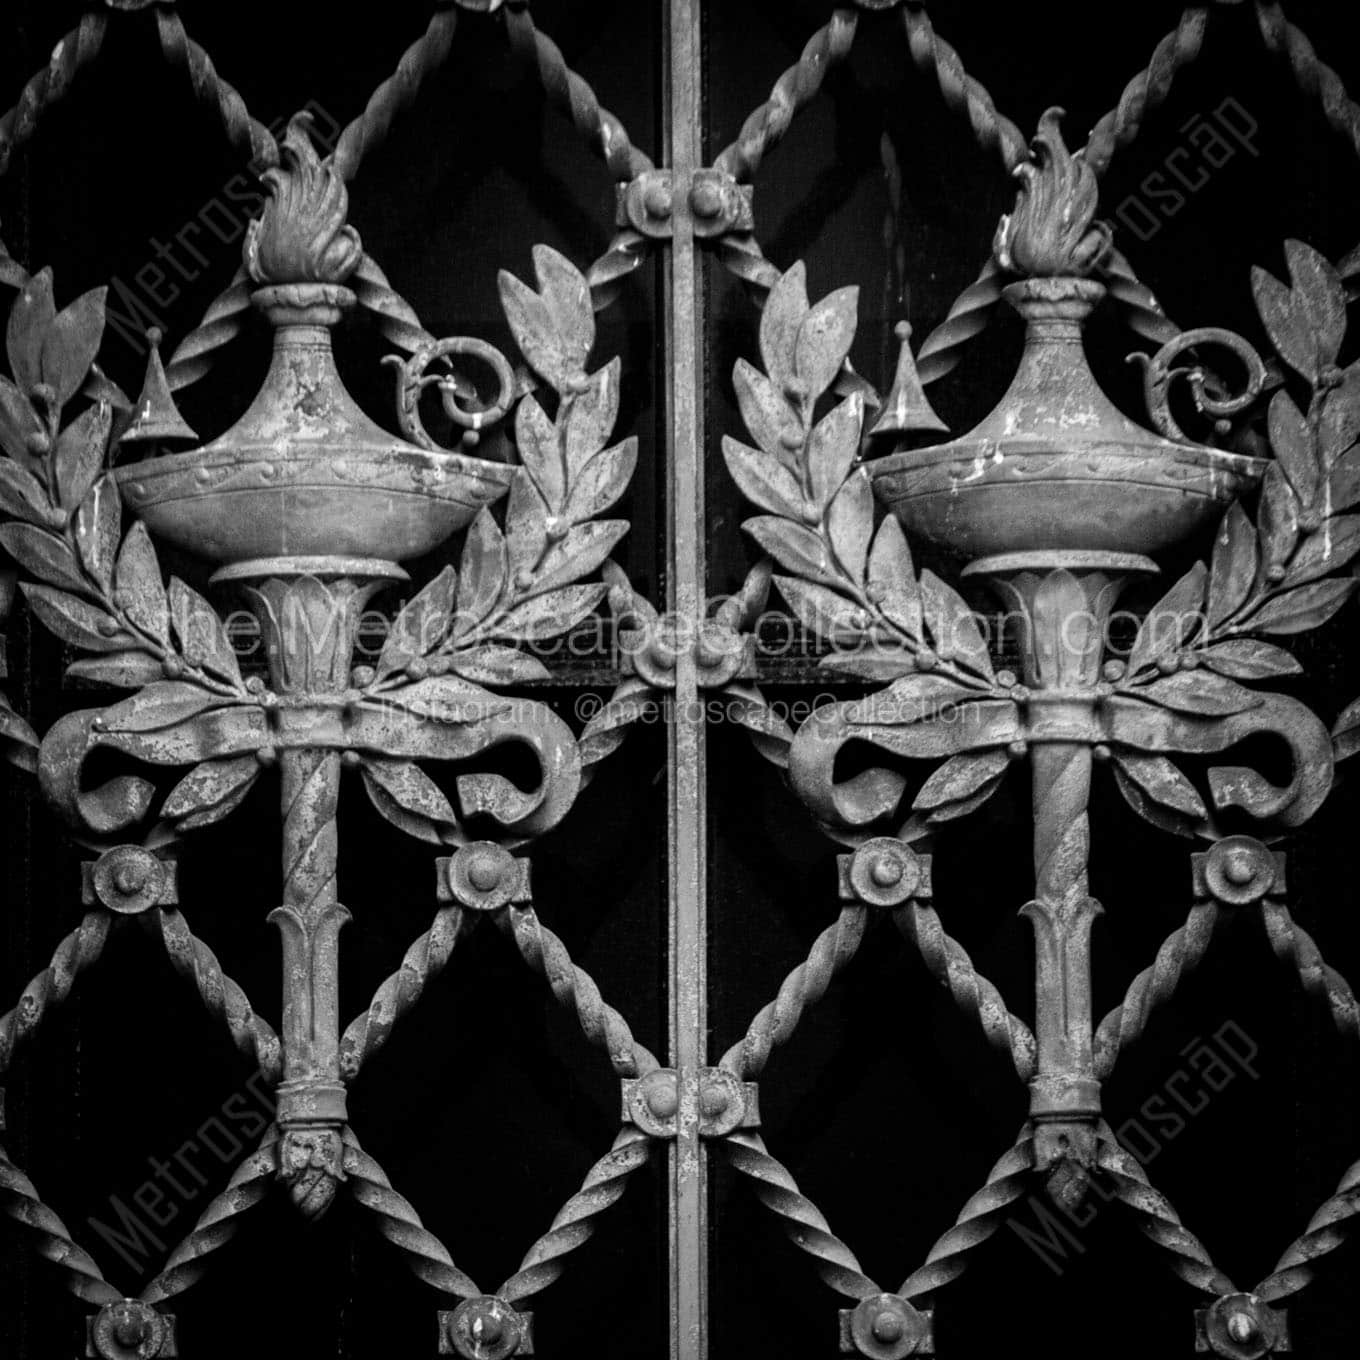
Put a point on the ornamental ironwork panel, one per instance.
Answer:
(491, 499)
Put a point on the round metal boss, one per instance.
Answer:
(884, 872)
(722, 1102)
(1239, 1327)
(886, 1327)
(482, 875)
(128, 879)
(128, 1330)
(485, 1328)
(1239, 870)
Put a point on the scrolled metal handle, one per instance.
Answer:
(1159, 374)
(413, 378)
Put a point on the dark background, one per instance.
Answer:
(487, 1107)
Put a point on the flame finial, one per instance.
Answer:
(1052, 232)
(302, 236)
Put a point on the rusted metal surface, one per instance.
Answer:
(308, 506)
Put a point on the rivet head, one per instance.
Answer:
(886, 872)
(663, 1100)
(127, 879)
(888, 1327)
(1242, 1328)
(658, 200)
(706, 200)
(1239, 869)
(484, 872)
(130, 878)
(714, 1101)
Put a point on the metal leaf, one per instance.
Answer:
(549, 615)
(780, 320)
(80, 453)
(793, 546)
(824, 339)
(566, 295)
(959, 777)
(1343, 488)
(1339, 422)
(540, 452)
(1318, 294)
(1326, 551)
(1346, 731)
(1277, 519)
(605, 732)
(158, 706)
(21, 493)
(872, 663)
(1292, 442)
(1286, 323)
(591, 413)
(1300, 611)
(203, 640)
(768, 418)
(850, 524)
(482, 579)
(18, 741)
(892, 578)
(75, 621)
(1203, 693)
(917, 698)
(210, 791)
(498, 666)
(99, 522)
(829, 615)
(583, 549)
(44, 555)
(602, 481)
(408, 798)
(139, 590)
(1248, 659)
(18, 420)
(746, 706)
(953, 626)
(420, 625)
(29, 317)
(526, 524)
(762, 480)
(531, 323)
(122, 670)
(1234, 566)
(833, 447)
(71, 342)
(1162, 782)
(1171, 621)
(1177, 823)
(445, 699)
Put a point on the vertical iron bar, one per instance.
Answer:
(685, 596)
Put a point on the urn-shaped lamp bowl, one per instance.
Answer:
(1056, 466)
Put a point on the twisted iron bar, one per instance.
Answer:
(977, 1220)
(1157, 1219)
(949, 964)
(195, 355)
(802, 1219)
(545, 953)
(1312, 74)
(82, 947)
(426, 1255)
(53, 1239)
(995, 133)
(766, 126)
(425, 959)
(223, 997)
(397, 93)
(1328, 1229)
(1179, 955)
(243, 131)
(74, 52)
(969, 315)
(1148, 90)
(577, 1220)
(804, 987)
(571, 93)
(217, 1224)
(1295, 946)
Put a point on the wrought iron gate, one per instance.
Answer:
(213, 552)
